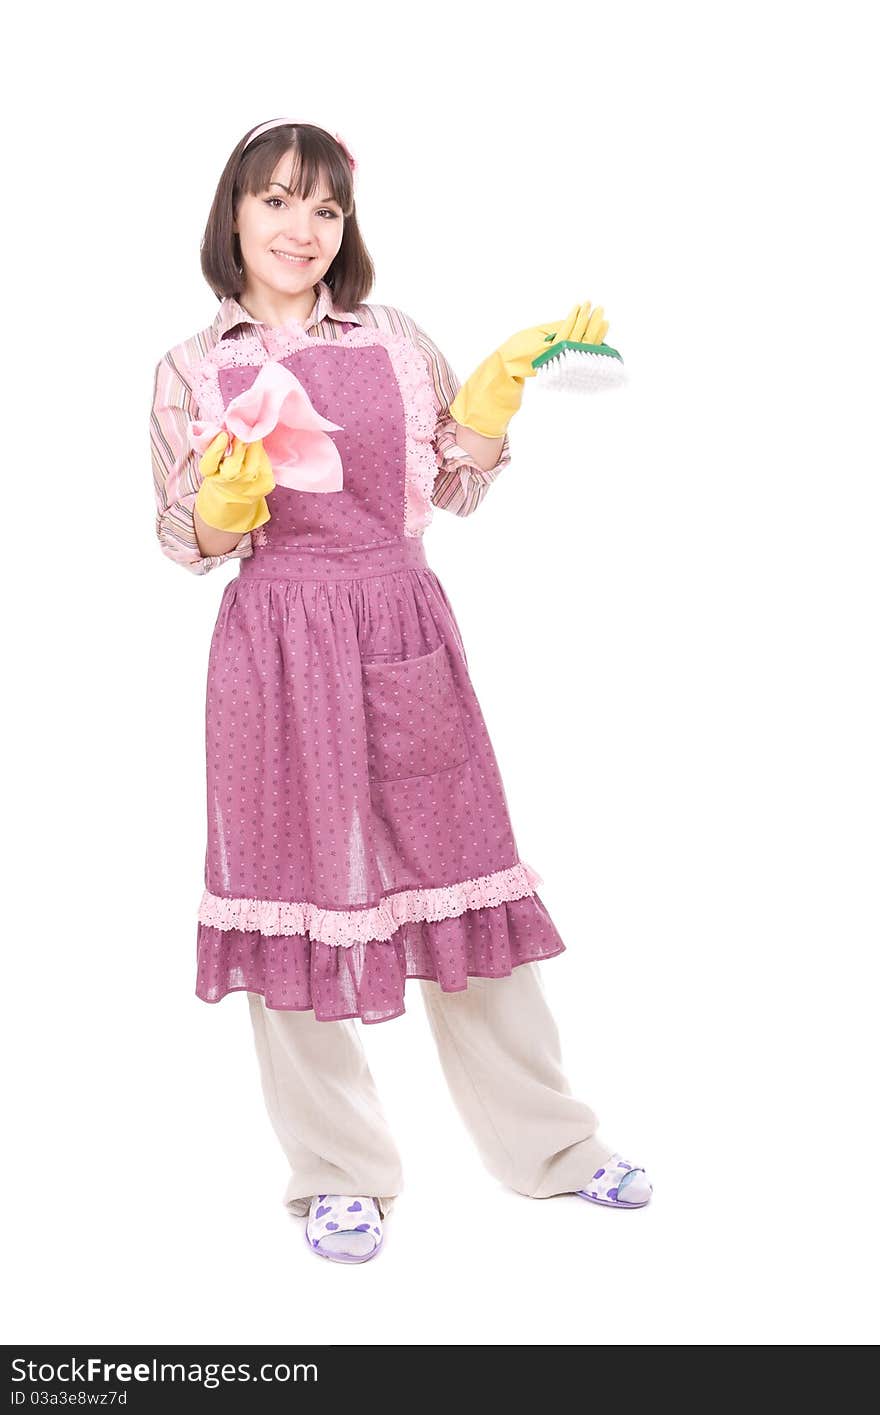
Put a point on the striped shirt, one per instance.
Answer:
(460, 484)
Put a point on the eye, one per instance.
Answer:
(280, 200)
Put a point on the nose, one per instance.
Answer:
(299, 233)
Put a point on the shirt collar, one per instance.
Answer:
(231, 313)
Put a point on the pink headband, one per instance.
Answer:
(280, 122)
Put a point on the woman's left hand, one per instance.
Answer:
(493, 393)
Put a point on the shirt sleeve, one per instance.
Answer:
(461, 483)
(176, 476)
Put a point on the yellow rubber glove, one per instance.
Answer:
(232, 496)
(493, 393)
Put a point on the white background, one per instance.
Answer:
(669, 604)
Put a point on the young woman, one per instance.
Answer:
(358, 832)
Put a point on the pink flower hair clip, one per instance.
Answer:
(351, 162)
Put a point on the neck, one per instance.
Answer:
(270, 308)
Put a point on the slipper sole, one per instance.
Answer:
(610, 1203)
(342, 1257)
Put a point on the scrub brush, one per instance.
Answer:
(570, 367)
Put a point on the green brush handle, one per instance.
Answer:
(563, 344)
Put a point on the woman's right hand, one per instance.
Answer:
(232, 496)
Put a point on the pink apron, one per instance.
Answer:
(357, 827)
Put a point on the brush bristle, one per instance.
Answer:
(575, 370)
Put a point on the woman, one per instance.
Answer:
(358, 830)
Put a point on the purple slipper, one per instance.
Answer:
(352, 1224)
(607, 1186)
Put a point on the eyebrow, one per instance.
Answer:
(290, 193)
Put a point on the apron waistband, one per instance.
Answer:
(334, 563)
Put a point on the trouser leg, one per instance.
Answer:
(324, 1107)
(499, 1049)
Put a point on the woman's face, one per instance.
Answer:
(274, 224)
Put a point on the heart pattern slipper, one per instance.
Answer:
(353, 1216)
(607, 1186)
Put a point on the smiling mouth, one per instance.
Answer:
(293, 259)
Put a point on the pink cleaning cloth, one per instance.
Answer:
(277, 409)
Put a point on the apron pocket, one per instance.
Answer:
(414, 721)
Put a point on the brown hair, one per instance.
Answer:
(314, 150)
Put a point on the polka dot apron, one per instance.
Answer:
(357, 826)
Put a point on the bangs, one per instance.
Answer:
(311, 160)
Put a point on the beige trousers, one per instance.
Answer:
(499, 1050)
